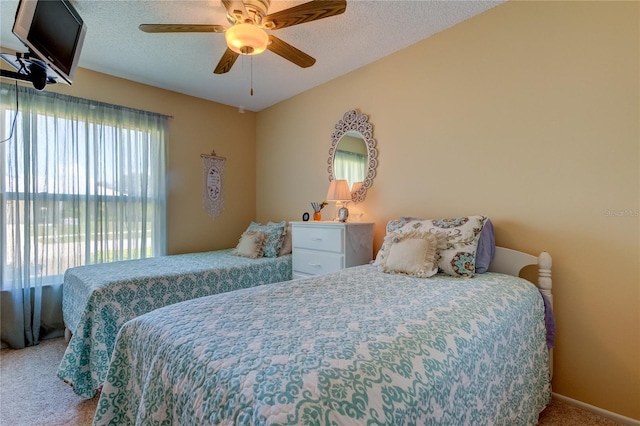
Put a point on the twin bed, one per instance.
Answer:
(98, 299)
(359, 346)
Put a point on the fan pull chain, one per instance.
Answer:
(251, 76)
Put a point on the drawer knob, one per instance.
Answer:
(317, 265)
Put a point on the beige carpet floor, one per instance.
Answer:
(31, 394)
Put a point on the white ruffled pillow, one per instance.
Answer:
(412, 253)
(251, 244)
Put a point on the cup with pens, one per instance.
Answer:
(316, 209)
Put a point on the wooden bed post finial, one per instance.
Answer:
(545, 285)
(544, 275)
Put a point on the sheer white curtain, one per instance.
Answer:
(350, 166)
(81, 182)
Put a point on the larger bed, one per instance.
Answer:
(359, 346)
(99, 299)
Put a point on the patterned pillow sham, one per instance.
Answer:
(275, 235)
(412, 253)
(457, 256)
(251, 244)
(486, 243)
(287, 243)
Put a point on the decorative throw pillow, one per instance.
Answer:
(486, 248)
(457, 256)
(287, 243)
(251, 244)
(396, 224)
(392, 226)
(412, 253)
(275, 235)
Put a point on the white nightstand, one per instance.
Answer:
(323, 247)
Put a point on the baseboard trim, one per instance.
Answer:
(599, 411)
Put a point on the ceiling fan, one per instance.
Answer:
(249, 20)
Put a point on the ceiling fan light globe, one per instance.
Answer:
(246, 39)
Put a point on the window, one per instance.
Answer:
(81, 183)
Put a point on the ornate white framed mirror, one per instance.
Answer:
(353, 155)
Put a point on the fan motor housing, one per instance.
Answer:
(255, 9)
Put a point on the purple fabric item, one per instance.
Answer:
(486, 248)
(549, 322)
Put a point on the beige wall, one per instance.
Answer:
(197, 127)
(527, 113)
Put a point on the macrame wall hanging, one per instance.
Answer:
(212, 195)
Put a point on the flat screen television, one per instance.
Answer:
(53, 31)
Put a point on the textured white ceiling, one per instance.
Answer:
(367, 31)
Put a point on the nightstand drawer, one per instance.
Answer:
(323, 247)
(316, 262)
(319, 238)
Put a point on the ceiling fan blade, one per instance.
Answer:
(289, 52)
(306, 12)
(181, 28)
(226, 62)
(236, 12)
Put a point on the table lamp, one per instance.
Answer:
(339, 192)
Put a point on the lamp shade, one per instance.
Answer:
(356, 186)
(339, 191)
(246, 39)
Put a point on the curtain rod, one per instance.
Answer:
(90, 102)
(212, 155)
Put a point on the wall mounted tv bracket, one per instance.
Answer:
(28, 68)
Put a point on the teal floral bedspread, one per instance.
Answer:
(98, 299)
(354, 347)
